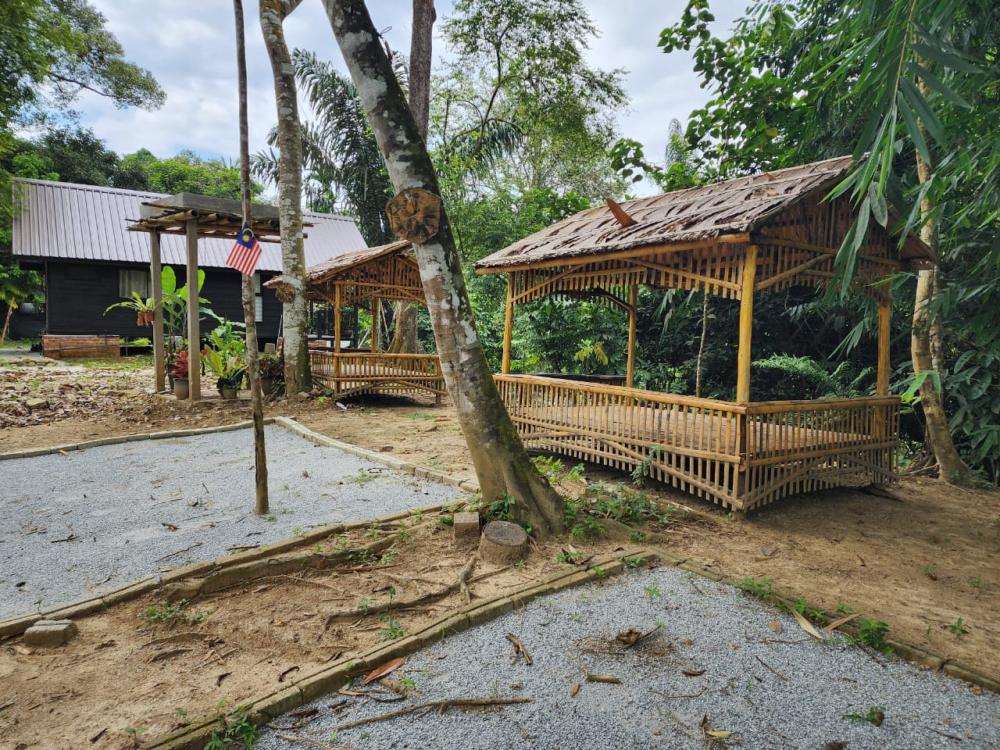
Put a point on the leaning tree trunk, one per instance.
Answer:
(501, 463)
(421, 41)
(926, 327)
(295, 311)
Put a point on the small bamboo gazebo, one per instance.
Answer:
(754, 234)
(367, 277)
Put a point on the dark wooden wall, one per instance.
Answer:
(77, 294)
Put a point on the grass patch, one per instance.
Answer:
(171, 612)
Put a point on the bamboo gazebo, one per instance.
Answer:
(359, 278)
(733, 239)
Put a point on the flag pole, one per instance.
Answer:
(249, 292)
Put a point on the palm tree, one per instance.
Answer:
(17, 285)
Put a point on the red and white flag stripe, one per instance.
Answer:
(243, 257)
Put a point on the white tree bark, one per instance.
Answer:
(295, 312)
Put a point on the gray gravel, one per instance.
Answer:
(705, 626)
(94, 519)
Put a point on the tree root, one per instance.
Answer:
(461, 583)
(441, 705)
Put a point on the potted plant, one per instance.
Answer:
(226, 358)
(272, 373)
(179, 375)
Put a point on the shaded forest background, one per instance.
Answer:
(524, 132)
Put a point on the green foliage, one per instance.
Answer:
(184, 173)
(239, 733)
(391, 629)
(872, 633)
(958, 628)
(171, 612)
(761, 588)
(874, 715)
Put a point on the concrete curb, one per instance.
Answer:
(331, 677)
(907, 651)
(115, 440)
(96, 602)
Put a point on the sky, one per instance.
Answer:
(189, 46)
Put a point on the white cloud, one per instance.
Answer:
(189, 46)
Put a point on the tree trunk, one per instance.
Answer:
(249, 307)
(6, 323)
(501, 463)
(295, 313)
(404, 339)
(925, 338)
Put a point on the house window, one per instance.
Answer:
(258, 299)
(133, 280)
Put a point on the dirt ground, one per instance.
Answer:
(927, 562)
(147, 667)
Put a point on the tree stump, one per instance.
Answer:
(503, 543)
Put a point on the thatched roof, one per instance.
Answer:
(734, 208)
(339, 265)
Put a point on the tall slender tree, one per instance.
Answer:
(502, 465)
(419, 79)
(249, 301)
(295, 311)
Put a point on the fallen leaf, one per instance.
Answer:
(806, 625)
(835, 745)
(221, 677)
(692, 672)
(574, 690)
(719, 734)
(383, 670)
(168, 526)
(628, 637)
(20, 648)
(607, 679)
(776, 626)
(841, 621)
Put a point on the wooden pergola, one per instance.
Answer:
(368, 277)
(193, 216)
(733, 239)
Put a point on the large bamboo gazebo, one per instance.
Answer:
(733, 239)
(367, 277)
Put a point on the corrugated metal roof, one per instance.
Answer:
(87, 222)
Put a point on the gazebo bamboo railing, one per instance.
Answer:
(351, 373)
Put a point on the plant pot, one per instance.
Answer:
(181, 390)
(229, 392)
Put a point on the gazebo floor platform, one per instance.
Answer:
(353, 373)
(742, 456)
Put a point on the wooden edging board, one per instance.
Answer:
(95, 602)
(333, 676)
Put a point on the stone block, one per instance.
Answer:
(50, 633)
(466, 528)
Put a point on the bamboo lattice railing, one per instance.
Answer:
(741, 456)
(350, 373)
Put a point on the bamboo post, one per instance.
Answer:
(884, 361)
(156, 292)
(376, 316)
(633, 295)
(746, 325)
(194, 323)
(336, 318)
(508, 326)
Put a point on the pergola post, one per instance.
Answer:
(508, 326)
(194, 324)
(156, 292)
(376, 328)
(633, 295)
(884, 361)
(746, 325)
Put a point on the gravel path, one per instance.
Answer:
(100, 517)
(770, 690)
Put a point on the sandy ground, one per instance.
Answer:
(919, 562)
(143, 668)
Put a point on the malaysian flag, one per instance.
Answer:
(246, 252)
